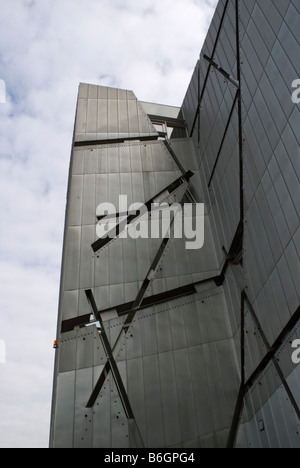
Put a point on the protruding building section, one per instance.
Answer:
(163, 346)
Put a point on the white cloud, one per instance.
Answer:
(46, 48)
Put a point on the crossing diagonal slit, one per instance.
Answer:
(100, 243)
(111, 366)
(131, 313)
(130, 316)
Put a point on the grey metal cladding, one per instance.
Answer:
(198, 343)
(268, 42)
(109, 113)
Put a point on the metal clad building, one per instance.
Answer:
(160, 346)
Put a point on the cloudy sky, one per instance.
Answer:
(46, 48)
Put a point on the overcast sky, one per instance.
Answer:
(46, 48)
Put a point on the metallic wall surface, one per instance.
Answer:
(245, 130)
(160, 346)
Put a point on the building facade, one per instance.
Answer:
(164, 346)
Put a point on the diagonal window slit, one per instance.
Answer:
(100, 243)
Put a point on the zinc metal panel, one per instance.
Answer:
(136, 393)
(81, 118)
(218, 321)
(291, 421)
(112, 110)
(91, 126)
(69, 305)
(288, 285)
(203, 402)
(92, 91)
(230, 376)
(177, 327)
(102, 120)
(136, 158)
(254, 266)
(148, 332)
(126, 188)
(74, 207)
(294, 384)
(102, 164)
(269, 224)
(294, 124)
(291, 146)
(90, 161)
(83, 90)
(264, 26)
(84, 307)
(130, 290)
(210, 354)
(85, 348)
(102, 188)
(143, 120)
(161, 159)
(265, 307)
(67, 352)
(147, 159)
(89, 200)
(286, 167)
(83, 421)
(72, 258)
(271, 429)
(289, 42)
(113, 165)
(134, 340)
(114, 187)
(103, 92)
(163, 332)
(78, 161)
(124, 154)
(133, 118)
(169, 399)
(129, 260)
(102, 415)
(176, 250)
(98, 352)
(255, 349)
(122, 94)
(112, 93)
(296, 240)
(119, 424)
(191, 324)
(153, 402)
(262, 236)
(115, 265)
(188, 421)
(282, 83)
(279, 421)
(86, 278)
(123, 118)
(101, 268)
(143, 257)
(64, 411)
(258, 42)
(167, 266)
(138, 188)
(275, 424)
